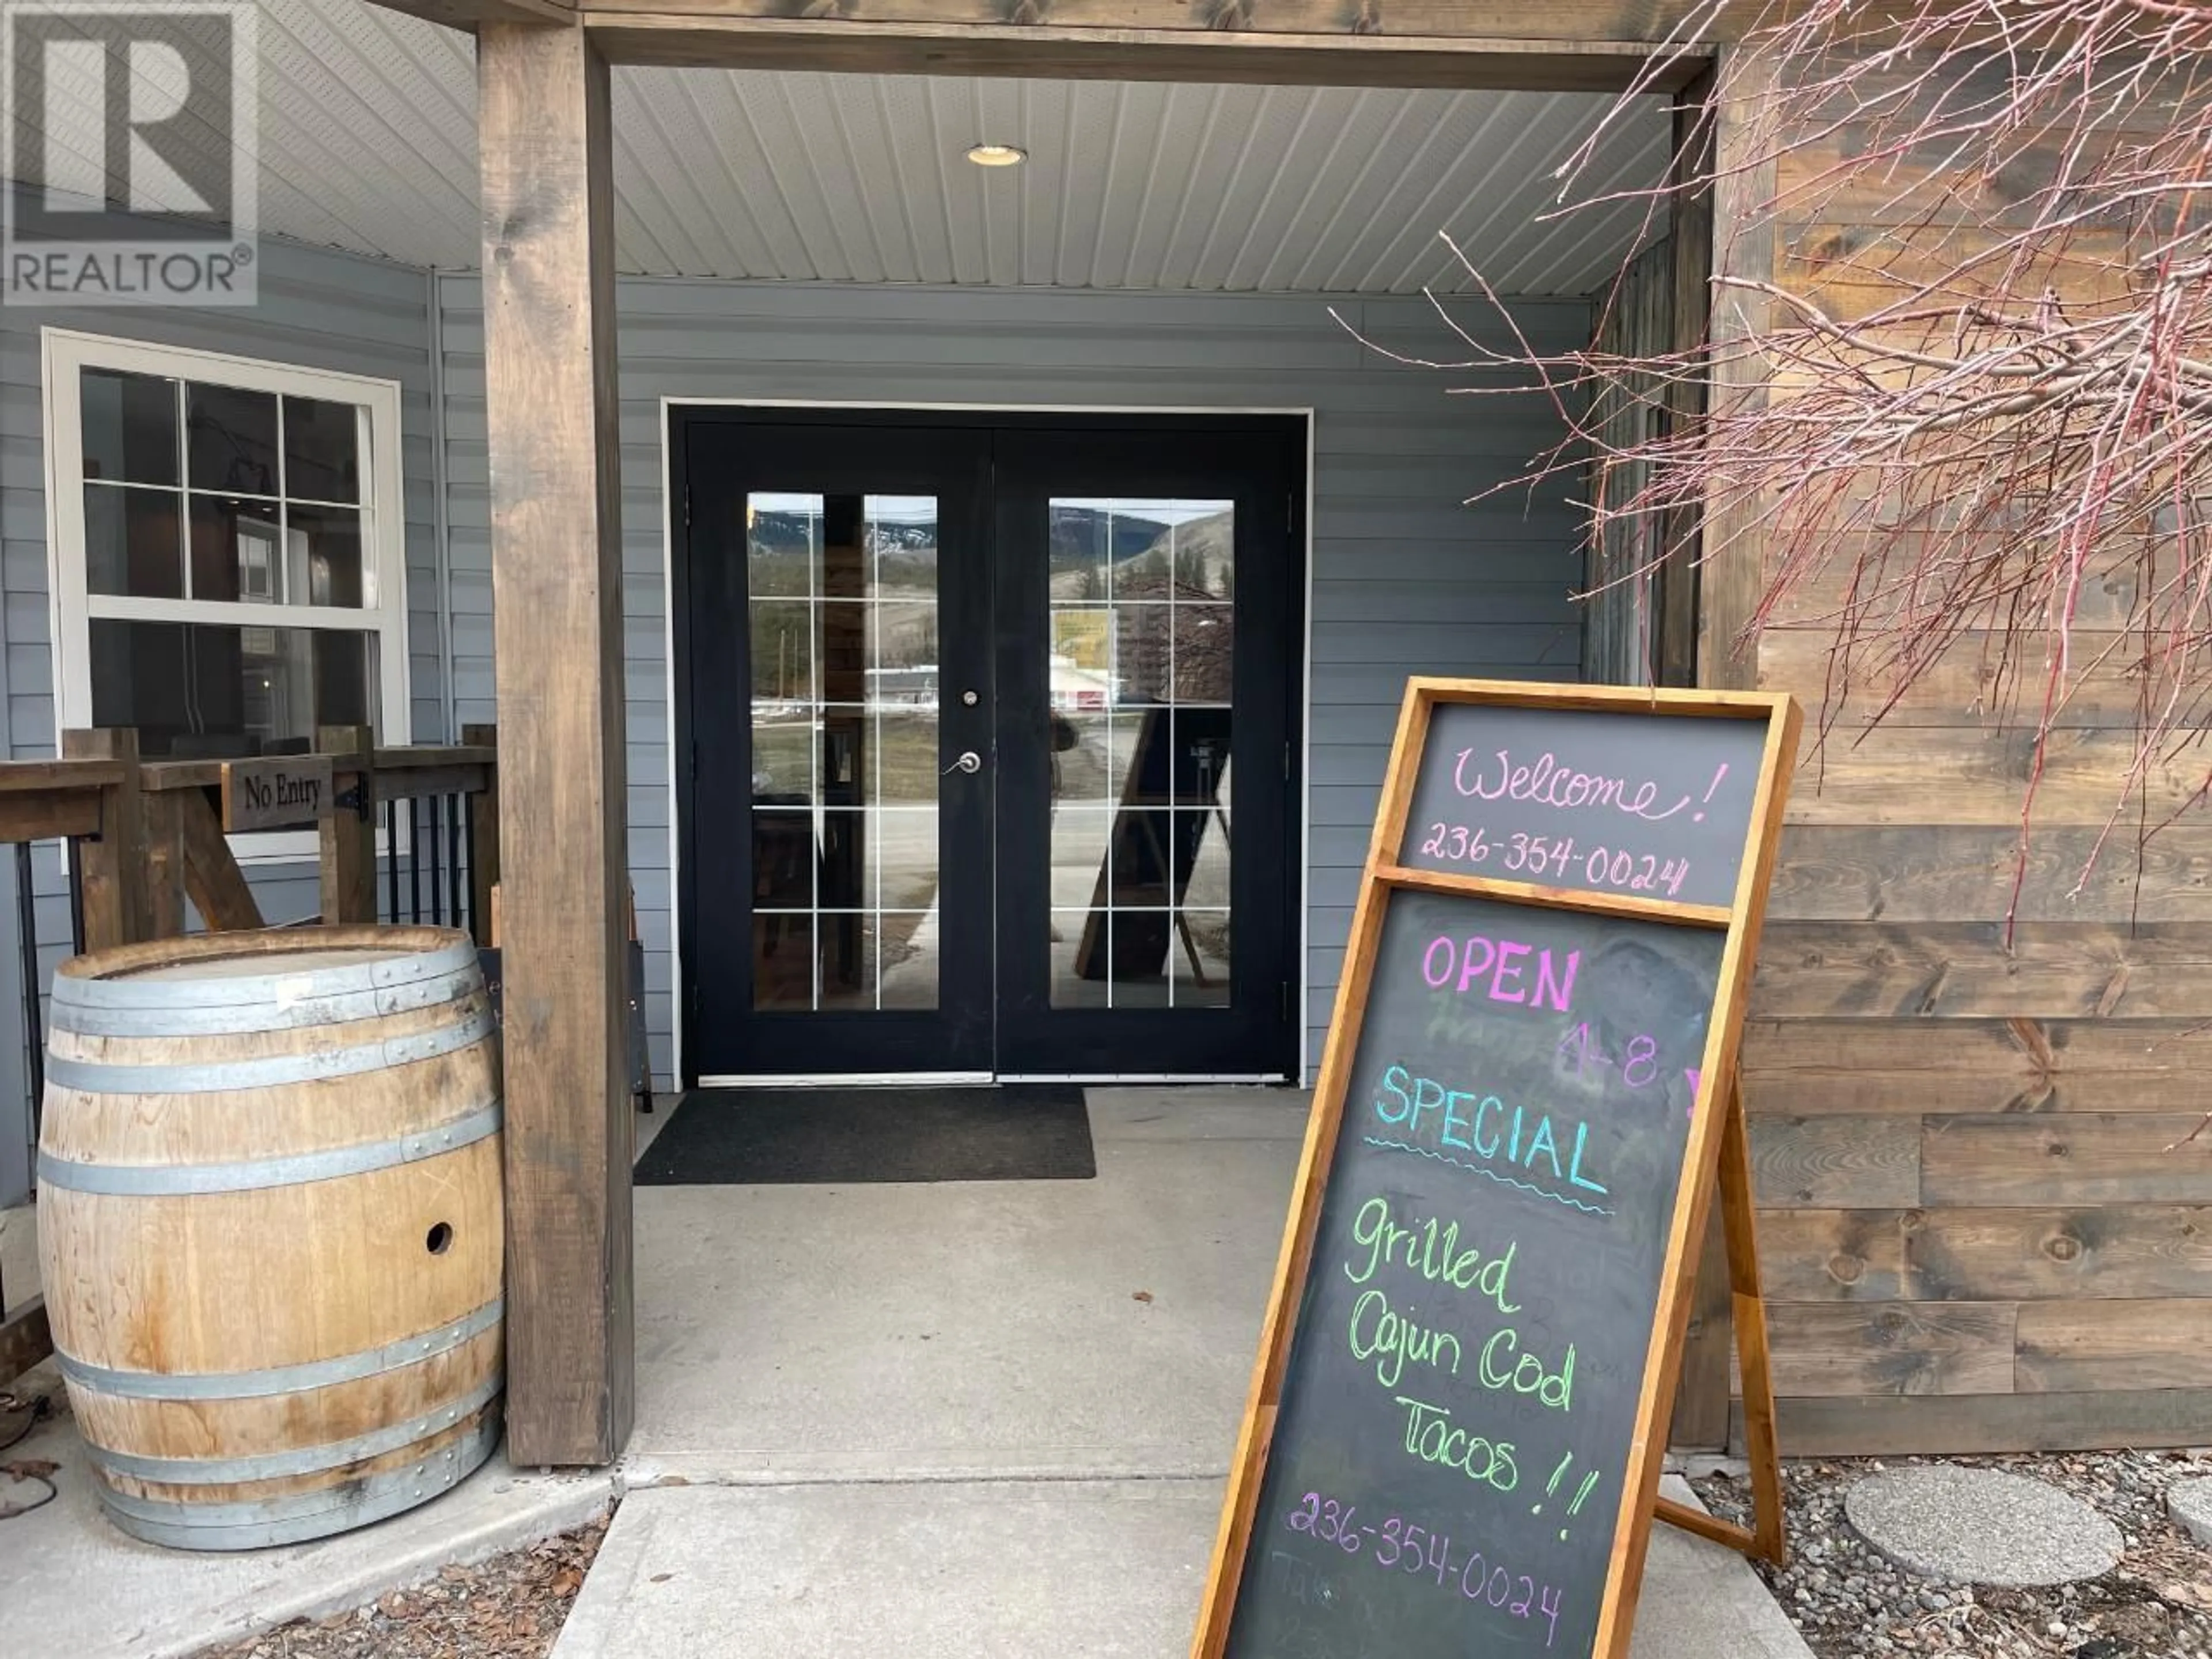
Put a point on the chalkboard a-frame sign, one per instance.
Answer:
(1458, 1415)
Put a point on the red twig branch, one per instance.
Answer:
(1987, 342)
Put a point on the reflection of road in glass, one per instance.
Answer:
(1120, 937)
(1165, 949)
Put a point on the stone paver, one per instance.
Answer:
(2188, 1505)
(1982, 1526)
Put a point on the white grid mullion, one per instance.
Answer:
(285, 517)
(871, 633)
(232, 613)
(816, 532)
(183, 508)
(1173, 849)
(1113, 586)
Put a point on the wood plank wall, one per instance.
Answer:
(1974, 1232)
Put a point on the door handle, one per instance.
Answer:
(970, 762)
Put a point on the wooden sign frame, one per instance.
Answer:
(251, 791)
(1718, 1153)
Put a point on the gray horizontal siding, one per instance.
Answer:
(316, 309)
(1407, 579)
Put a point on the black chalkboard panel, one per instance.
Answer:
(1654, 804)
(1462, 1392)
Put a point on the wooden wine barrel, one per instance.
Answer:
(270, 1222)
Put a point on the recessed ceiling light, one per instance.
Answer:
(998, 155)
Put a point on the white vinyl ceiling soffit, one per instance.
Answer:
(368, 142)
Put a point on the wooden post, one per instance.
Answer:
(118, 906)
(1731, 571)
(1719, 234)
(483, 839)
(349, 834)
(551, 396)
(165, 861)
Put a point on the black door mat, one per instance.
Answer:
(787, 1137)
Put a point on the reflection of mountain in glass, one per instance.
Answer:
(1141, 593)
(1099, 554)
(781, 543)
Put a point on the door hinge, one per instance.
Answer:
(1288, 756)
(694, 760)
(687, 506)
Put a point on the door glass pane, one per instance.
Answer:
(843, 624)
(1141, 656)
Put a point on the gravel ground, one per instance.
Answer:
(1849, 1601)
(510, 1606)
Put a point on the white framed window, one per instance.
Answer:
(227, 551)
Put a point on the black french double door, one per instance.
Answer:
(987, 741)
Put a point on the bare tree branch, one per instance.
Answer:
(1988, 351)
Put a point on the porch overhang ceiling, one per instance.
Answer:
(368, 122)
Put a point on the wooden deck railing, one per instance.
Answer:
(148, 837)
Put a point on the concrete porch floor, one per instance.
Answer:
(984, 1419)
(981, 1418)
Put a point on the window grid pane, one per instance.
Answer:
(204, 465)
(1140, 645)
(842, 601)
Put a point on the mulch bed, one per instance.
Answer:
(510, 1606)
(1849, 1601)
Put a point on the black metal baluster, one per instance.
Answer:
(392, 858)
(414, 860)
(75, 903)
(475, 922)
(437, 870)
(27, 940)
(453, 852)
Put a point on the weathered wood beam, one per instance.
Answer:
(1731, 550)
(1376, 22)
(548, 204)
(26, 777)
(468, 14)
(43, 814)
(1701, 1398)
(165, 860)
(483, 841)
(118, 907)
(25, 1339)
(346, 835)
(1547, 64)
(217, 886)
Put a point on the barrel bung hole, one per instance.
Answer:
(440, 1238)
